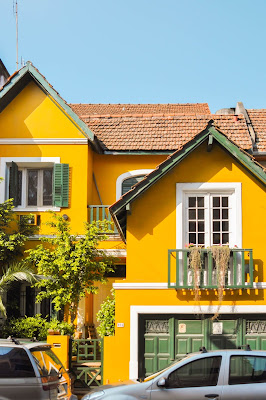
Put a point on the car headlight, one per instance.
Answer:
(95, 395)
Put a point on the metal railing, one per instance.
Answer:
(101, 213)
(239, 273)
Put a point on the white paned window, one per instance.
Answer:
(35, 187)
(209, 214)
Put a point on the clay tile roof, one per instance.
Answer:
(86, 110)
(162, 132)
(258, 121)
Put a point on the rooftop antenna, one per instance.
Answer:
(15, 11)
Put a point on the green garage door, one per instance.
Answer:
(168, 337)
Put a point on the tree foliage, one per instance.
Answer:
(106, 316)
(13, 235)
(70, 265)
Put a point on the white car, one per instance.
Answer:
(220, 375)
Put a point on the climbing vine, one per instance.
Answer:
(221, 256)
(196, 267)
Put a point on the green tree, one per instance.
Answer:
(70, 265)
(13, 235)
(106, 316)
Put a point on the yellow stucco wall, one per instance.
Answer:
(151, 231)
(32, 115)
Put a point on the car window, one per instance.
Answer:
(202, 372)
(15, 363)
(46, 361)
(247, 369)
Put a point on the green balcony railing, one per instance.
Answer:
(101, 213)
(239, 274)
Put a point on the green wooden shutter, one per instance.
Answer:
(129, 182)
(13, 183)
(61, 185)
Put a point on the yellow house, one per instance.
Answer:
(195, 181)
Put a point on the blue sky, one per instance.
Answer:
(143, 51)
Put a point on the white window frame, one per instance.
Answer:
(25, 162)
(234, 189)
(126, 175)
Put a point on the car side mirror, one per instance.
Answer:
(161, 382)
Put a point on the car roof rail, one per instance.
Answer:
(245, 347)
(10, 340)
(203, 349)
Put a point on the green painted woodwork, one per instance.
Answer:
(13, 183)
(128, 183)
(170, 335)
(101, 213)
(179, 271)
(88, 366)
(118, 209)
(61, 185)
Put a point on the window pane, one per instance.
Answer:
(201, 226)
(216, 226)
(192, 201)
(244, 369)
(32, 187)
(47, 187)
(216, 214)
(225, 214)
(192, 227)
(19, 187)
(224, 201)
(216, 238)
(225, 225)
(192, 214)
(200, 201)
(15, 363)
(201, 213)
(216, 201)
(203, 372)
(192, 238)
(201, 238)
(225, 238)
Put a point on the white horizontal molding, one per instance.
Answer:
(35, 209)
(164, 285)
(115, 252)
(44, 141)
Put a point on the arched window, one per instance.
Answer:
(125, 181)
(129, 182)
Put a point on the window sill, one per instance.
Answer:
(34, 209)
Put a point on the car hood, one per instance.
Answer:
(115, 385)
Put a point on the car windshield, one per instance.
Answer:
(176, 361)
(46, 361)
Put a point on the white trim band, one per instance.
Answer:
(44, 141)
(115, 252)
(164, 285)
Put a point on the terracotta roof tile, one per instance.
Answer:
(258, 120)
(85, 110)
(131, 133)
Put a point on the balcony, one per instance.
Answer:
(101, 213)
(239, 273)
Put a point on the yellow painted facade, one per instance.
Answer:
(152, 221)
(151, 231)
